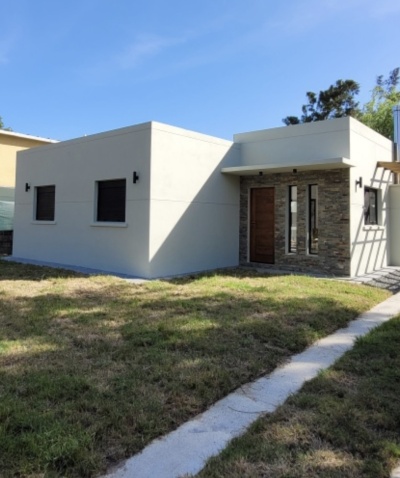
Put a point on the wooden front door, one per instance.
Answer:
(262, 225)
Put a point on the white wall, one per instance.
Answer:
(305, 143)
(74, 167)
(394, 225)
(368, 243)
(182, 216)
(194, 212)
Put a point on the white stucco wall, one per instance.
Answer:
(369, 248)
(394, 225)
(74, 167)
(298, 144)
(194, 211)
(182, 216)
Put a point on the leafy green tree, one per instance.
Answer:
(377, 113)
(335, 102)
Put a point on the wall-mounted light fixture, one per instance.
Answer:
(135, 177)
(294, 170)
(359, 182)
(260, 173)
(27, 187)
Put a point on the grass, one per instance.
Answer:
(93, 368)
(343, 424)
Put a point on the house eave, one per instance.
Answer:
(39, 139)
(286, 167)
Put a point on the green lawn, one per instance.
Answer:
(94, 368)
(343, 424)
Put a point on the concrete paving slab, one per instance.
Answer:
(186, 450)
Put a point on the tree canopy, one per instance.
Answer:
(335, 102)
(340, 100)
(2, 125)
(377, 113)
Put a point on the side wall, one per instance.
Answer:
(333, 216)
(73, 167)
(194, 210)
(394, 225)
(368, 242)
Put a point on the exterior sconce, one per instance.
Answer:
(27, 187)
(294, 171)
(135, 177)
(359, 182)
(260, 173)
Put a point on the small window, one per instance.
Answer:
(313, 219)
(111, 199)
(45, 203)
(370, 206)
(292, 236)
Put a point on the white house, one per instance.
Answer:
(172, 210)
(153, 200)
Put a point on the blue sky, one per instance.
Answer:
(215, 66)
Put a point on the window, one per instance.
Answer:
(370, 206)
(292, 236)
(313, 219)
(111, 198)
(45, 203)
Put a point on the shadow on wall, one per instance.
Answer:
(373, 254)
(205, 232)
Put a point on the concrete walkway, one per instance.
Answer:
(186, 450)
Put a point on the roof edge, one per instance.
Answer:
(27, 136)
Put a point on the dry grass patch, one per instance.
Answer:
(93, 368)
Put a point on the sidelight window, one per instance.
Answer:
(313, 219)
(292, 236)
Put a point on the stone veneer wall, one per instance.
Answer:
(333, 220)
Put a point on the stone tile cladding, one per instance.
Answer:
(333, 217)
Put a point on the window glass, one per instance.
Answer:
(111, 199)
(292, 239)
(45, 203)
(313, 219)
(370, 206)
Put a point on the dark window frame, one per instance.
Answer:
(371, 206)
(111, 200)
(313, 219)
(45, 203)
(292, 242)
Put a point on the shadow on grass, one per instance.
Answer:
(114, 366)
(17, 271)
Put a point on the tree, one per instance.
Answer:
(377, 112)
(2, 125)
(335, 102)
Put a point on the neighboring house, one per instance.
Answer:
(10, 144)
(153, 200)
